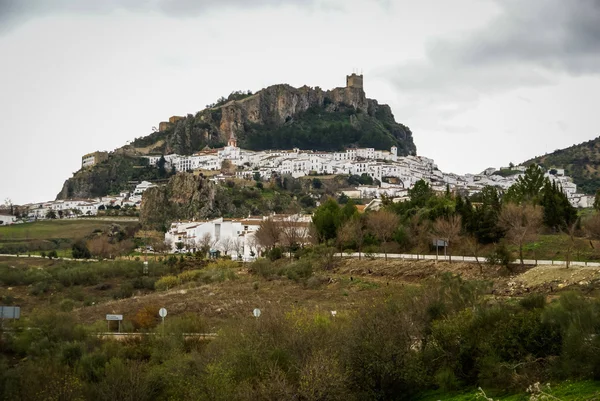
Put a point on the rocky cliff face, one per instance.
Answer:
(284, 107)
(277, 104)
(185, 197)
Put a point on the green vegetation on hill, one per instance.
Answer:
(582, 162)
(319, 129)
(119, 173)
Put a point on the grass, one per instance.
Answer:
(584, 390)
(53, 229)
(553, 247)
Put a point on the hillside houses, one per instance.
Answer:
(71, 208)
(401, 171)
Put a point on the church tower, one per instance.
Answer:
(232, 141)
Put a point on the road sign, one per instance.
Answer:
(440, 242)
(256, 312)
(10, 312)
(114, 317)
(162, 312)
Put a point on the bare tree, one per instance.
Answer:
(205, 243)
(268, 234)
(161, 246)
(447, 229)
(226, 245)
(237, 246)
(353, 230)
(100, 247)
(382, 225)
(474, 247)
(293, 233)
(591, 227)
(521, 223)
(570, 231)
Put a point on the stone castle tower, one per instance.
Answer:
(354, 81)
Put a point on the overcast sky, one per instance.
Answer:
(479, 82)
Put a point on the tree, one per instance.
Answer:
(327, 218)
(162, 171)
(591, 227)
(559, 214)
(226, 245)
(597, 201)
(50, 214)
(80, 250)
(382, 224)
(521, 223)
(267, 235)
(237, 246)
(205, 243)
(447, 229)
(100, 247)
(528, 186)
(293, 233)
(353, 230)
(420, 194)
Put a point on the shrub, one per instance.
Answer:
(80, 250)
(275, 254)
(262, 267)
(166, 282)
(52, 254)
(67, 305)
(501, 256)
(189, 275)
(125, 290)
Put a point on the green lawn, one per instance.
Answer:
(555, 247)
(53, 229)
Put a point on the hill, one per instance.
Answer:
(582, 162)
(283, 117)
(277, 117)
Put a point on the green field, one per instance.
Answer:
(59, 235)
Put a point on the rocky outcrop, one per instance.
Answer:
(185, 197)
(282, 106)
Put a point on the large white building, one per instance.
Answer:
(233, 237)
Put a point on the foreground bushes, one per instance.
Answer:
(445, 335)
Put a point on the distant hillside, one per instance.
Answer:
(582, 162)
(283, 117)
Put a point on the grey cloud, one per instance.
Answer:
(14, 12)
(527, 44)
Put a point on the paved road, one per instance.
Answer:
(468, 259)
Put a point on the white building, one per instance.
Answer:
(143, 186)
(232, 237)
(6, 219)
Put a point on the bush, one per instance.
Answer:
(166, 282)
(501, 256)
(80, 250)
(125, 290)
(52, 254)
(275, 254)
